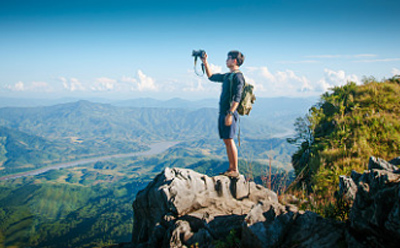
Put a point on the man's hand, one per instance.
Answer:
(205, 63)
(229, 115)
(228, 120)
(204, 59)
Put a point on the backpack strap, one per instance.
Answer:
(230, 77)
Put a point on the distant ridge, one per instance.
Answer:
(261, 103)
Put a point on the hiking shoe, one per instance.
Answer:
(234, 174)
(223, 173)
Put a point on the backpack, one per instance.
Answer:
(248, 96)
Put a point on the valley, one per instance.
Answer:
(154, 149)
(93, 158)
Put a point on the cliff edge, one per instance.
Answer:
(183, 208)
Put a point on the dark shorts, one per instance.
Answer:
(226, 132)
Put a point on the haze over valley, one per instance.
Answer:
(90, 195)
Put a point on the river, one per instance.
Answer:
(155, 149)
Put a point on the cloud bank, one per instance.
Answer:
(291, 83)
(267, 82)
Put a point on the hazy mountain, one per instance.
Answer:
(85, 129)
(85, 121)
(274, 103)
(33, 102)
(171, 103)
(20, 151)
(90, 205)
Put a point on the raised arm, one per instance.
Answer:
(206, 66)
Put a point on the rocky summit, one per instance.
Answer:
(183, 208)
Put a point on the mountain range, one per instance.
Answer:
(90, 205)
(32, 137)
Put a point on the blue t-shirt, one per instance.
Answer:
(226, 94)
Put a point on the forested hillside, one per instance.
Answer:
(91, 205)
(83, 129)
(85, 121)
(342, 131)
(20, 151)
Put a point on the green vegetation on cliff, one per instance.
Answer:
(342, 131)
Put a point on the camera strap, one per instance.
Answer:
(195, 69)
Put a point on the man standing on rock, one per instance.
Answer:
(232, 87)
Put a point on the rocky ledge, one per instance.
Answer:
(183, 208)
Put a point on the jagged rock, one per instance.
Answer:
(265, 225)
(380, 164)
(182, 207)
(347, 188)
(311, 230)
(282, 227)
(355, 176)
(375, 215)
(395, 161)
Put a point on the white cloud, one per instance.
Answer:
(40, 86)
(334, 56)
(192, 83)
(276, 84)
(257, 86)
(16, 87)
(299, 83)
(395, 71)
(378, 60)
(300, 62)
(326, 56)
(290, 83)
(267, 74)
(104, 84)
(141, 82)
(72, 85)
(365, 55)
(334, 78)
(215, 68)
(129, 80)
(34, 86)
(196, 86)
(145, 82)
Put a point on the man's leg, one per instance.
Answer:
(232, 153)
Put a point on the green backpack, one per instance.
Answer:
(248, 97)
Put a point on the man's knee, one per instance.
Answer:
(228, 142)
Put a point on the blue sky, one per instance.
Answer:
(131, 49)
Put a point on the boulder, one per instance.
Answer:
(183, 207)
(375, 214)
(285, 227)
(395, 161)
(381, 164)
(347, 188)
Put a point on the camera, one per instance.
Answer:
(199, 53)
